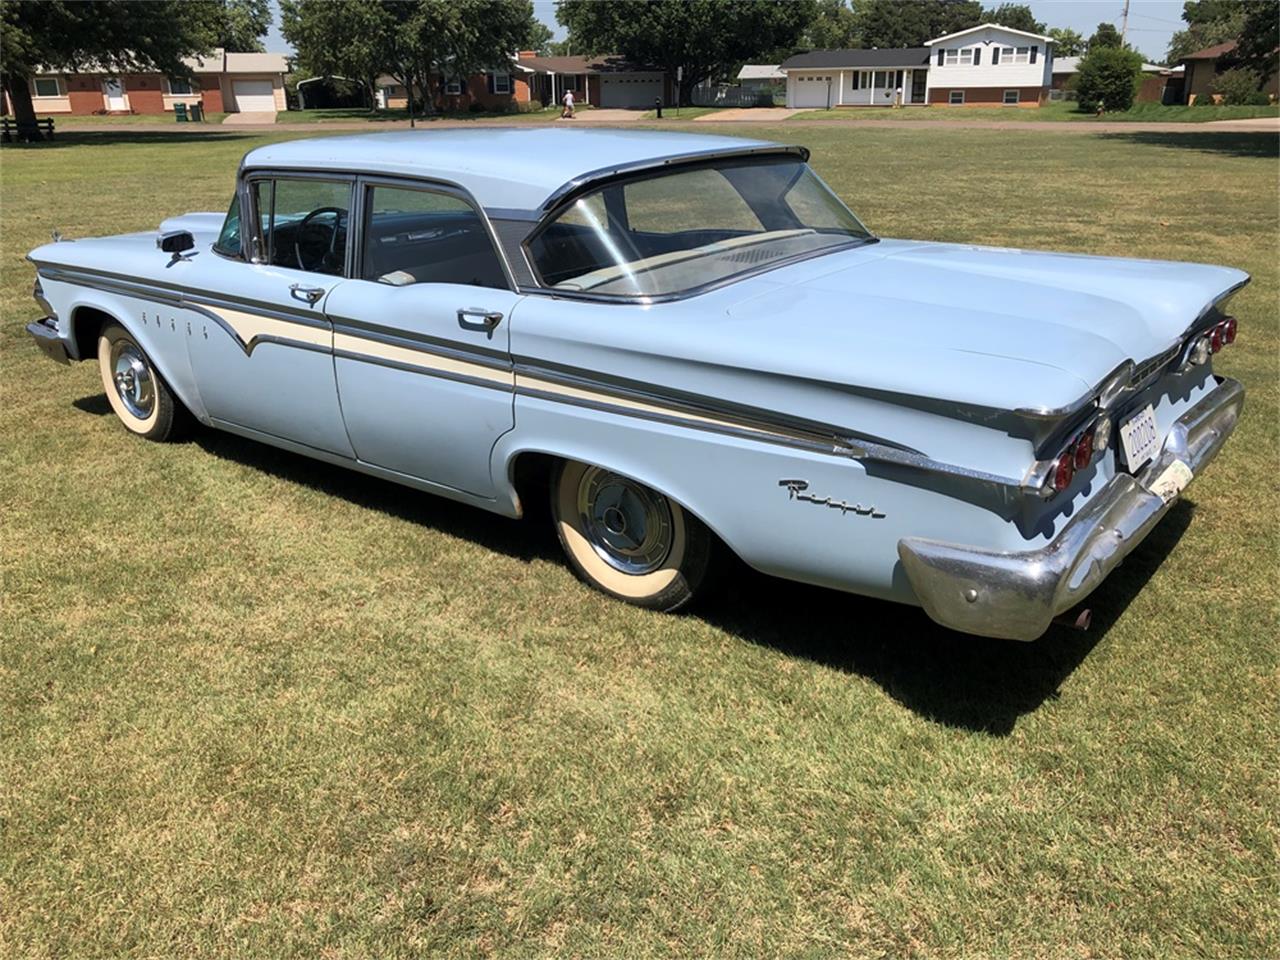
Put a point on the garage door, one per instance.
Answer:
(812, 91)
(630, 90)
(254, 95)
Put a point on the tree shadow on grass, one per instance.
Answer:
(1235, 143)
(972, 683)
(127, 135)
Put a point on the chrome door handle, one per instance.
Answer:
(474, 316)
(311, 295)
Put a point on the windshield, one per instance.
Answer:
(669, 233)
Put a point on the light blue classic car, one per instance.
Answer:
(695, 344)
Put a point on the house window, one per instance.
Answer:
(958, 58)
(501, 83)
(573, 81)
(179, 87)
(955, 97)
(1011, 98)
(452, 88)
(47, 87)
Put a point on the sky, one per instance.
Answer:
(1151, 22)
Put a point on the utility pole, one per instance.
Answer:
(1124, 21)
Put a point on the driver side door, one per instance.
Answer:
(263, 358)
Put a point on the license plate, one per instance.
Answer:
(1139, 437)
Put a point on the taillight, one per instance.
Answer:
(1215, 339)
(1083, 450)
(1063, 471)
(1229, 330)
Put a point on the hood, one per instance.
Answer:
(993, 327)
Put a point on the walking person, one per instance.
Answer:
(567, 112)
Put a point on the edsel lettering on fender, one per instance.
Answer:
(416, 306)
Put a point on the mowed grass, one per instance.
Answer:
(1054, 110)
(252, 705)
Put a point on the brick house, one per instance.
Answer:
(1203, 66)
(222, 83)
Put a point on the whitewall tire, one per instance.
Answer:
(138, 395)
(627, 540)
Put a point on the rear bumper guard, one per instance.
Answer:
(1016, 595)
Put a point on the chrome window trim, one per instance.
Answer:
(275, 174)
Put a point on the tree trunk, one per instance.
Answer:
(24, 111)
(684, 94)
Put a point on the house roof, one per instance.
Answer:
(219, 61)
(988, 26)
(833, 59)
(1072, 65)
(761, 71)
(1212, 53)
(604, 63)
(480, 160)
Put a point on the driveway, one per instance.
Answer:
(747, 114)
(606, 115)
(250, 118)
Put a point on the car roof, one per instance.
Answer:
(505, 169)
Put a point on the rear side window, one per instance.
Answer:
(422, 236)
(228, 243)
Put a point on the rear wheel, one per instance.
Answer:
(627, 540)
(137, 394)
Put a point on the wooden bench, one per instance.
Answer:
(11, 130)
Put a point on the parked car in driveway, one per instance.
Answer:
(693, 340)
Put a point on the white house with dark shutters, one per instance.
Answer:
(987, 65)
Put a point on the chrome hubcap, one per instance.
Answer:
(628, 525)
(134, 384)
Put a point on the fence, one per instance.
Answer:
(726, 95)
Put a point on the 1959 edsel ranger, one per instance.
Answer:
(694, 340)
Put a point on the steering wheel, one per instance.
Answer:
(326, 249)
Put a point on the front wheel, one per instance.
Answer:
(627, 540)
(135, 390)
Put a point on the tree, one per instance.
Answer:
(1209, 22)
(539, 39)
(1067, 43)
(115, 35)
(244, 24)
(1259, 38)
(700, 38)
(909, 23)
(1108, 77)
(1106, 36)
(560, 48)
(834, 27)
(1016, 16)
(413, 41)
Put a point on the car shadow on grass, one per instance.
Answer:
(973, 683)
(126, 135)
(1236, 144)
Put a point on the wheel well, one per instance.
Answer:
(531, 476)
(86, 324)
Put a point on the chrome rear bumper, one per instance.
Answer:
(1016, 595)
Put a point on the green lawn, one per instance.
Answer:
(1060, 110)
(252, 705)
(349, 114)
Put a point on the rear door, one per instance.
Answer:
(421, 346)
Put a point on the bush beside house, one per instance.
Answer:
(1109, 78)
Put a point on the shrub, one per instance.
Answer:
(1238, 86)
(1108, 76)
(529, 106)
(476, 107)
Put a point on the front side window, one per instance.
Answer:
(670, 233)
(228, 242)
(304, 223)
(421, 236)
(179, 87)
(47, 87)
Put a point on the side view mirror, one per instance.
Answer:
(176, 241)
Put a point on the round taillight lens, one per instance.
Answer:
(1215, 340)
(1102, 433)
(1063, 471)
(1229, 330)
(1083, 451)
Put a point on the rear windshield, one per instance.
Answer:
(670, 233)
